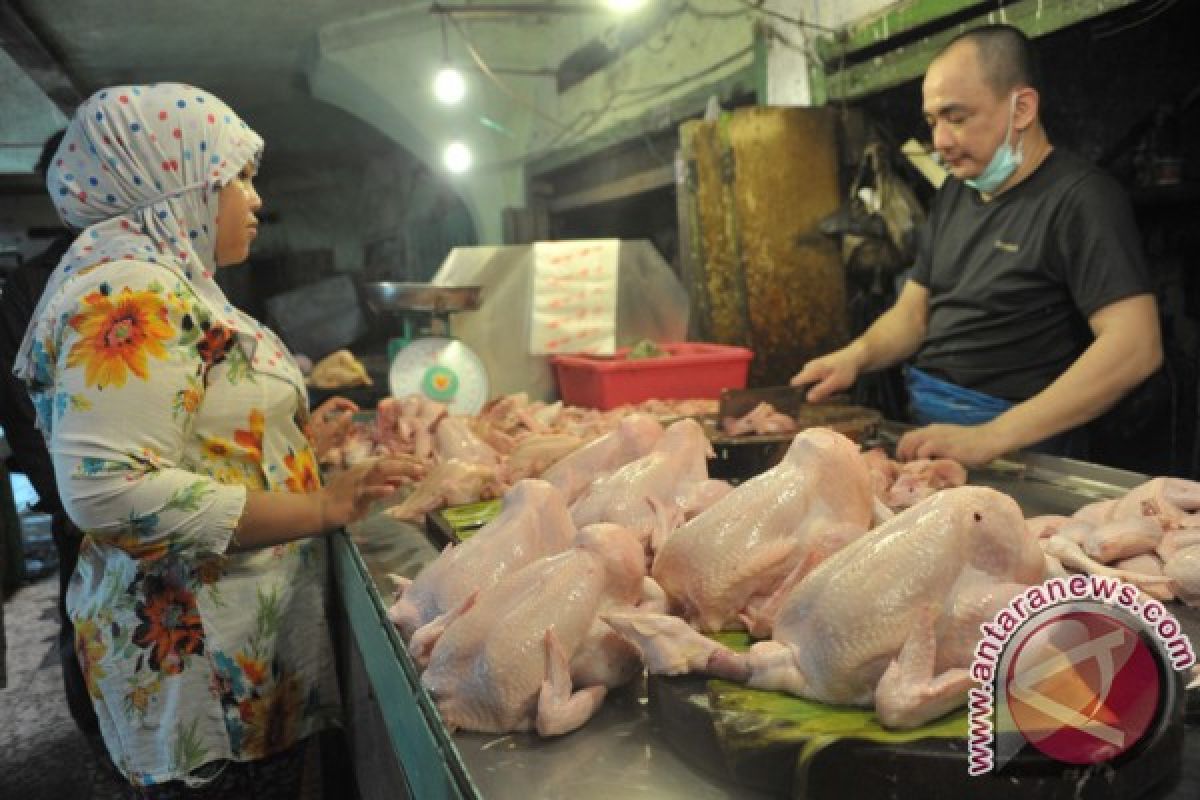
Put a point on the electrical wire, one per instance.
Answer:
(1153, 9)
(759, 8)
(504, 87)
(624, 98)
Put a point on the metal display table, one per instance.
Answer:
(399, 743)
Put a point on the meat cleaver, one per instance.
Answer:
(784, 399)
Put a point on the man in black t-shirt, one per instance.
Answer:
(1029, 309)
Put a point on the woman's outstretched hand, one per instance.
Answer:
(349, 494)
(329, 424)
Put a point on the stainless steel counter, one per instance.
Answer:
(620, 753)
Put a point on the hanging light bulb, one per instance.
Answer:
(449, 86)
(456, 158)
(625, 6)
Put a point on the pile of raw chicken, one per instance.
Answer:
(621, 554)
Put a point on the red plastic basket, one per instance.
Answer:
(693, 369)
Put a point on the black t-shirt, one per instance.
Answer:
(1012, 282)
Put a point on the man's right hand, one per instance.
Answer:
(831, 373)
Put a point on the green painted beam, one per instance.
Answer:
(818, 88)
(899, 18)
(1034, 17)
(424, 750)
(759, 65)
(742, 81)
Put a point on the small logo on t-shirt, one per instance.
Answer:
(1008, 247)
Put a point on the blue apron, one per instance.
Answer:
(935, 400)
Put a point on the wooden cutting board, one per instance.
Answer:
(739, 458)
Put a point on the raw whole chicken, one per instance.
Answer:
(633, 438)
(531, 651)
(533, 523)
(720, 569)
(891, 620)
(454, 439)
(537, 452)
(653, 495)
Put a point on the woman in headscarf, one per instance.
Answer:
(175, 422)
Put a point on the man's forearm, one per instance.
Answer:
(892, 338)
(1098, 379)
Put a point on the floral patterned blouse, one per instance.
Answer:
(160, 419)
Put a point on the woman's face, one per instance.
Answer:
(236, 224)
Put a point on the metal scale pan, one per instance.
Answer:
(438, 366)
(389, 296)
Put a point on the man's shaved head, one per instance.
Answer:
(1006, 57)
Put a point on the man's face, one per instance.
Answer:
(966, 117)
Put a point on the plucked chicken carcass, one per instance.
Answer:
(454, 439)
(537, 452)
(891, 620)
(654, 494)
(634, 437)
(533, 523)
(339, 370)
(720, 569)
(531, 652)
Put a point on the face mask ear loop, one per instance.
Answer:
(1018, 149)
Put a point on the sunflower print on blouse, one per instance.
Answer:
(118, 336)
(303, 475)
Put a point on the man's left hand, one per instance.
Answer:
(970, 445)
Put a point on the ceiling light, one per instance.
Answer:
(449, 86)
(457, 158)
(625, 6)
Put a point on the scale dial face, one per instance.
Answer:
(442, 369)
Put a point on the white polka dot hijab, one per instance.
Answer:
(138, 173)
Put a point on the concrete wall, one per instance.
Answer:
(28, 119)
(687, 53)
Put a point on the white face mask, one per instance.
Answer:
(1004, 161)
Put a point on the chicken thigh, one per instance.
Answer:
(891, 620)
(531, 651)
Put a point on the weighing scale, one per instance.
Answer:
(426, 359)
